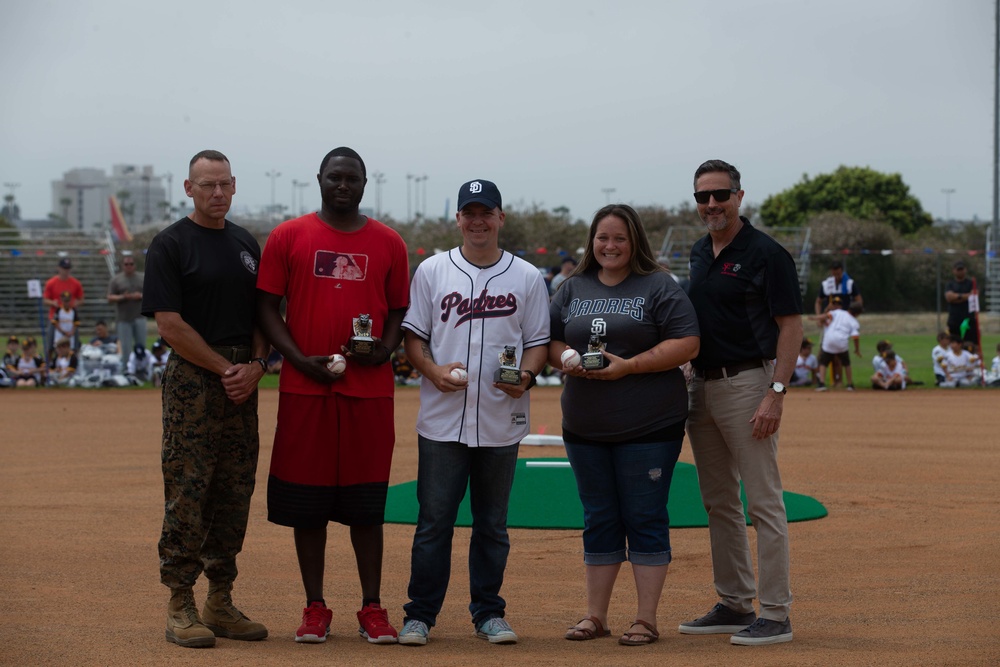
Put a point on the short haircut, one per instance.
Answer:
(343, 151)
(100, 322)
(889, 355)
(836, 264)
(712, 166)
(208, 155)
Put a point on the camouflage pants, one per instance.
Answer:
(209, 460)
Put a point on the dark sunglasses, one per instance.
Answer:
(720, 195)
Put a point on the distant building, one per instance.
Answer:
(81, 196)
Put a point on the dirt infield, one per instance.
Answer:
(904, 571)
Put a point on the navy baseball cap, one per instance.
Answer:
(480, 192)
(65, 264)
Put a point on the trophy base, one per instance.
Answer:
(507, 375)
(362, 347)
(592, 361)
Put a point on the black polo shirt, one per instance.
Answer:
(738, 294)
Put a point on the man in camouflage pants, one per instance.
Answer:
(200, 281)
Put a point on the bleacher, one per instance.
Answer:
(35, 254)
(676, 248)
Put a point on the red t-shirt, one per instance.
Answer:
(54, 288)
(329, 278)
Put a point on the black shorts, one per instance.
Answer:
(826, 357)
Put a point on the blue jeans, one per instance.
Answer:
(131, 333)
(443, 470)
(624, 489)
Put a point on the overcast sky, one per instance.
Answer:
(554, 101)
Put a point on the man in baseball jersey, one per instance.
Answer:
(467, 307)
(335, 435)
(745, 290)
(200, 285)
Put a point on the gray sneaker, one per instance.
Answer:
(720, 621)
(496, 630)
(414, 633)
(764, 631)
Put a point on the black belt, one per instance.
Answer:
(235, 354)
(728, 371)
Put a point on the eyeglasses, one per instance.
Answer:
(720, 195)
(225, 186)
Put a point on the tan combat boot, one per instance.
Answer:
(184, 627)
(224, 619)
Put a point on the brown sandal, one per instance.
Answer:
(644, 637)
(578, 634)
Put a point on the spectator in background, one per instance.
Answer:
(882, 349)
(31, 368)
(65, 323)
(993, 376)
(140, 364)
(11, 355)
(125, 291)
(402, 369)
(961, 316)
(961, 367)
(274, 360)
(565, 269)
(938, 355)
(63, 364)
(102, 338)
(840, 327)
(837, 284)
(889, 373)
(54, 288)
(159, 353)
(805, 367)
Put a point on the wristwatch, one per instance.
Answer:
(778, 388)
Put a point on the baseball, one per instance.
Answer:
(337, 363)
(570, 359)
(459, 374)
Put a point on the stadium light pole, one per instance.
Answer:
(379, 180)
(425, 197)
(948, 192)
(607, 194)
(409, 216)
(302, 201)
(273, 175)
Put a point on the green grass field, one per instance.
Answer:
(915, 351)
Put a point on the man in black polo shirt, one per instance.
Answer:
(745, 290)
(959, 295)
(200, 285)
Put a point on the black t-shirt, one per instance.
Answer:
(738, 294)
(209, 276)
(959, 311)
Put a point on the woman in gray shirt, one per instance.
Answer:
(623, 417)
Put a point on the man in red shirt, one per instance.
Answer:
(54, 287)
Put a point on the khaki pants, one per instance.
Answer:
(725, 453)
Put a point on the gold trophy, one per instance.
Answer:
(508, 373)
(362, 344)
(592, 359)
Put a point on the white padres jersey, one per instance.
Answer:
(469, 314)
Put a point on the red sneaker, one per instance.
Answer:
(375, 626)
(315, 624)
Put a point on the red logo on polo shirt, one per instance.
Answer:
(730, 268)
